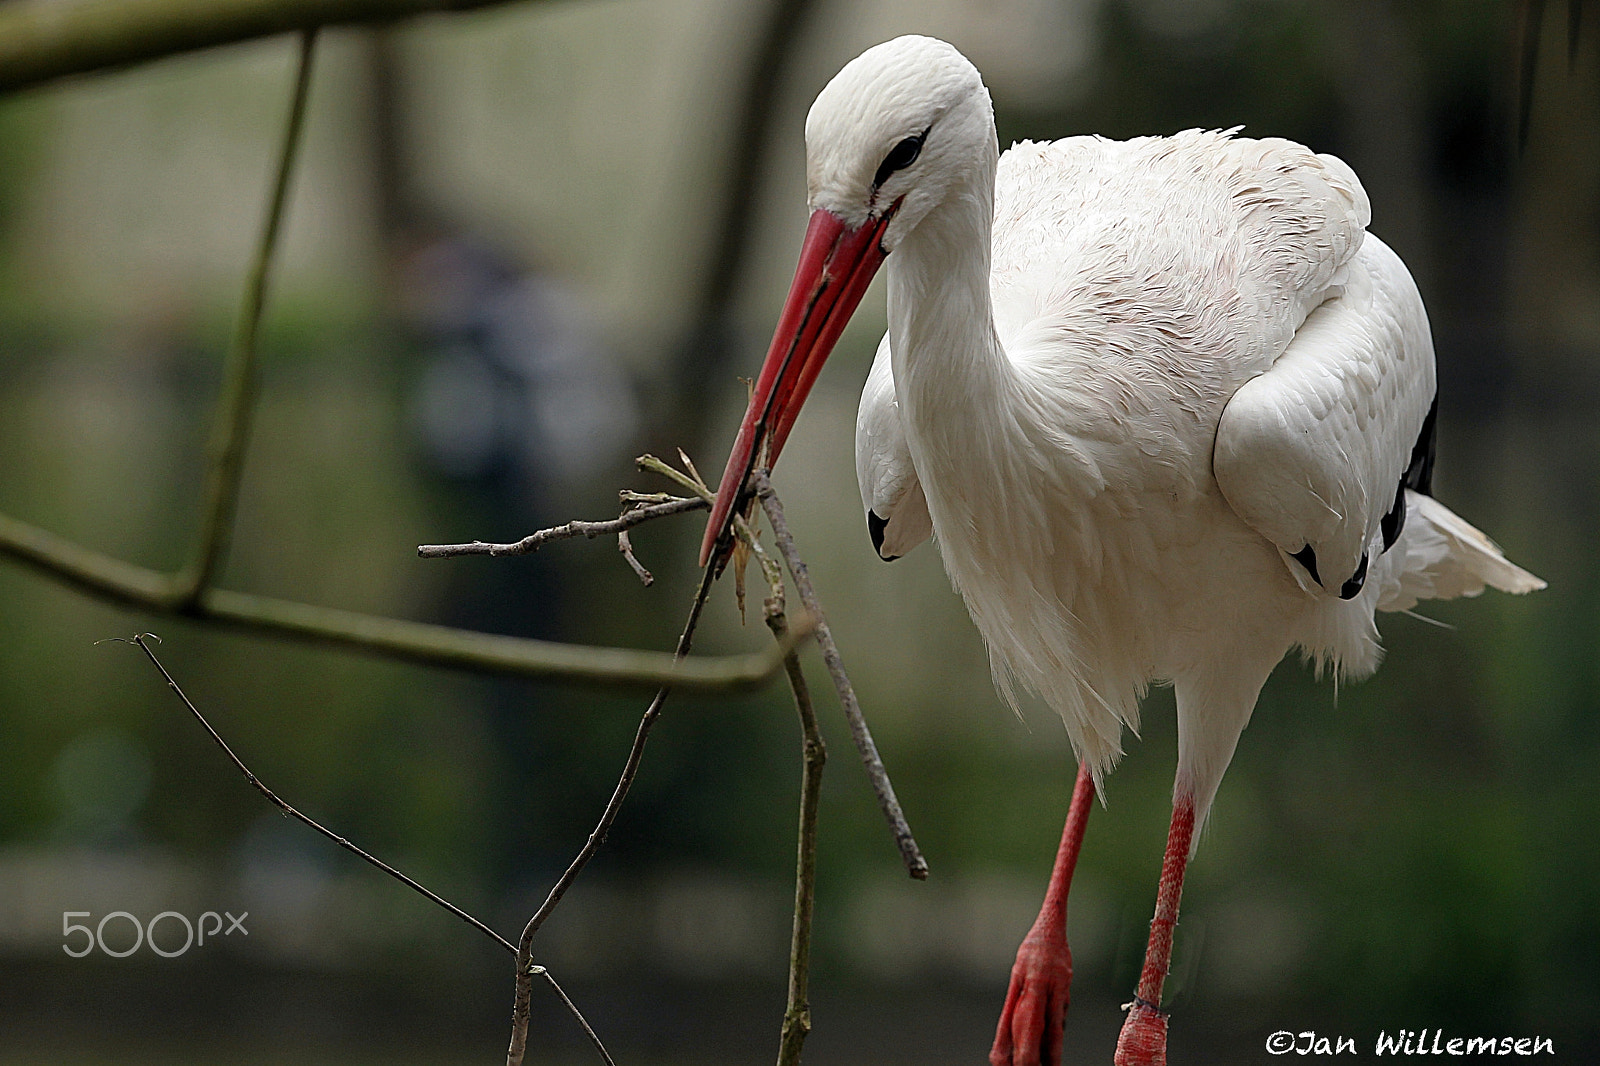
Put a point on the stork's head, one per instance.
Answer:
(901, 128)
(894, 132)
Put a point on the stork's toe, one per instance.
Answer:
(1034, 1017)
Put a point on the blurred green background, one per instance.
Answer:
(503, 278)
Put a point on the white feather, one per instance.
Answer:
(888, 479)
(1440, 557)
(1311, 452)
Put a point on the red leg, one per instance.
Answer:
(1144, 1035)
(1036, 1004)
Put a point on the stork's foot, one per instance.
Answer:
(1144, 1037)
(1036, 1004)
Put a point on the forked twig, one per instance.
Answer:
(523, 998)
(761, 484)
(797, 1021)
(813, 756)
(916, 865)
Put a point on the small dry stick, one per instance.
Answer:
(625, 546)
(577, 528)
(594, 1038)
(693, 484)
(814, 754)
(916, 865)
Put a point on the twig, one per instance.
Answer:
(625, 546)
(916, 865)
(41, 40)
(524, 982)
(121, 582)
(577, 528)
(594, 1038)
(700, 482)
(142, 641)
(231, 430)
(693, 484)
(814, 755)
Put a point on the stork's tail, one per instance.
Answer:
(1446, 557)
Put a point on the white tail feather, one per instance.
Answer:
(1446, 557)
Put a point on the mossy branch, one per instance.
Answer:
(44, 40)
(116, 581)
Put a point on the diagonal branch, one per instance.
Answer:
(231, 430)
(142, 641)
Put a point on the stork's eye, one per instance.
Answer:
(900, 156)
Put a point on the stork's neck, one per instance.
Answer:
(949, 364)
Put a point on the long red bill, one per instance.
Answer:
(836, 265)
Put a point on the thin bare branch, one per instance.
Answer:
(142, 640)
(594, 1037)
(576, 528)
(525, 967)
(625, 546)
(42, 40)
(120, 582)
(814, 755)
(230, 431)
(916, 865)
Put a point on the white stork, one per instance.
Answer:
(1167, 406)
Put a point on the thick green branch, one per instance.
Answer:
(112, 579)
(42, 40)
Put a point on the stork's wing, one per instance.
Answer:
(1314, 453)
(897, 511)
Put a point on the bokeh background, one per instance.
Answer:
(525, 245)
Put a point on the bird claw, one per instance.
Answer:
(1035, 1014)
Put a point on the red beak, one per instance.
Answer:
(836, 264)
